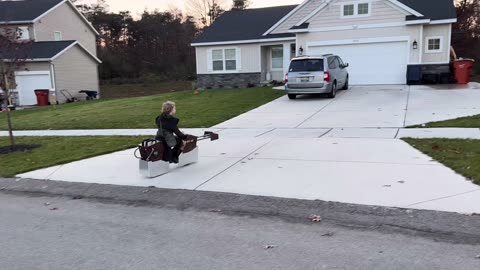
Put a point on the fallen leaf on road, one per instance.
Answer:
(387, 185)
(53, 208)
(315, 218)
(269, 247)
(329, 234)
(77, 198)
(401, 182)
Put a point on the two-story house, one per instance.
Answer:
(61, 50)
(380, 39)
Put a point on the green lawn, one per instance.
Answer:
(208, 108)
(145, 89)
(463, 156)
(463, 122)
(59, 150)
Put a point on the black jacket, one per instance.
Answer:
(167, 127)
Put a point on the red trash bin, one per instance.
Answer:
(462, 70)
(42, 97)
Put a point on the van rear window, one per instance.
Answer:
(306, 65)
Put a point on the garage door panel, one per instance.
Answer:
(372, 63)
(28, 83)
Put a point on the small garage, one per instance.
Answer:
(370, 62)
(63, 67)
(28, 82)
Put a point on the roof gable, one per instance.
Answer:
(25, 10)
(45, 50)
(413, 10)
(433, 9)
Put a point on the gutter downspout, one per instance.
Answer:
(53, 79)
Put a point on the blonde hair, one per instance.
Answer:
(168, 106)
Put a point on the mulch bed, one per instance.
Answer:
(18, 148)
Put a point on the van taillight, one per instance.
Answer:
(326, 76)
(286, 78)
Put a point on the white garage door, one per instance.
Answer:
(28, 82)
(371, 63)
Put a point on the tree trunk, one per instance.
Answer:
(9, 124)
(7, 113)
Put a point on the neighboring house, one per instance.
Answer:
(380, 39)
(62, 53)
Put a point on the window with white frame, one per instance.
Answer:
(230, 59)
(277, 57)
(363, 9)
(349, 10)
(57, 36)
(434, 44)
(217, 58)
(224, 59)
(22, 33)
(356, 9)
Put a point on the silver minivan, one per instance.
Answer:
(316, 75)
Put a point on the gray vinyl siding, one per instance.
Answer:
(75, 70)
(442, 30)
(66, 20)
(37, 66)
(331, 16)
(413, 32)
(297, 16)
(250, 57)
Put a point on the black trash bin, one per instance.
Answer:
(414, 74)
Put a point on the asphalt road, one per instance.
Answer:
(91, 235)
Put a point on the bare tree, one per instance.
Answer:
(240, 4)
(13, 55)
(205, 11)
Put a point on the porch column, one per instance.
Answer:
(286, 58)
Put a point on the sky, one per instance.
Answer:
(137, 6)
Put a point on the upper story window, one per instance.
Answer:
(57, 36)
(356, 9)
(349, 10)
(224, 59)
(22, 33)
(363, 9)
(433, 44)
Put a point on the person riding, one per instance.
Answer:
(167, 125)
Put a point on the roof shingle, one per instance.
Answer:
(39, 50)
(245, 25)
(24, 10)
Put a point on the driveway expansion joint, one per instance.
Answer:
(231, 166)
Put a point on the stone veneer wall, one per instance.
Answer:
(229, 80)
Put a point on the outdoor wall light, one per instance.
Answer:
(415, 44)
(300, 51)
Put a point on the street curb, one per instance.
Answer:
(440, 226)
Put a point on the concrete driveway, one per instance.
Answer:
(341, 150)
(363, 107)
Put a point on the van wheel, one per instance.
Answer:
(333, 93)
(345, 87)
(292, 96)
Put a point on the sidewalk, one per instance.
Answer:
(372, 168)
(381, 133)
